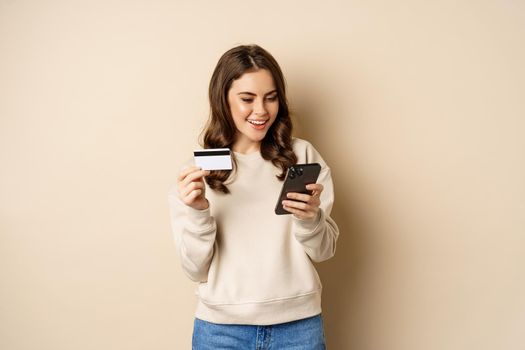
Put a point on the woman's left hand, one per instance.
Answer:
(304, 206)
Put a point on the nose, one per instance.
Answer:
(259, 108)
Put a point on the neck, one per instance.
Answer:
(246, 147)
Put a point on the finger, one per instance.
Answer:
(316, 188)
(297, 205)
(194, 176)
(190, 198)
(294, 211)
(313, 200)
(187, 170)
(185, 190)
(299, 213)
(298, 196)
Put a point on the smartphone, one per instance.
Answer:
(297, 177)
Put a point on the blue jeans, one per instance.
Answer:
(305, 334)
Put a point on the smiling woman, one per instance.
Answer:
(258, 287)
(254, 106)
(248, 84)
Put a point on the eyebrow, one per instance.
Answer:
(252, 94)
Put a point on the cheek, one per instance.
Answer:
(240, 110)
(273, 109)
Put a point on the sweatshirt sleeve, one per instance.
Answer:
(194, 233)
(319, 236)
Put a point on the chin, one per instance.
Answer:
(259, 138)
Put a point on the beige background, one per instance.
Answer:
(418, 106)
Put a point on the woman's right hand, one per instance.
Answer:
(192, 189)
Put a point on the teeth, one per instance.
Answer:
(257, 122)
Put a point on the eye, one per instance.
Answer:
(247, 100)
(272, 98)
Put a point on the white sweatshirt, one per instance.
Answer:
(253, 266)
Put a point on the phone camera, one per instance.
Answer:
(292, 173)
(295, 172)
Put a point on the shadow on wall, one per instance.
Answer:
(344, 275)
(343, 280)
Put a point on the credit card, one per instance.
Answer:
(213, 159)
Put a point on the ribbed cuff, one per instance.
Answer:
(199, 218)
(304, 227)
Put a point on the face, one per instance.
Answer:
(254, 105)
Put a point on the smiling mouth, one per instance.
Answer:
(257, 122)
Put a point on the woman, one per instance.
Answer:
(258, 287)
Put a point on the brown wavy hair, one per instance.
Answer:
(220, 129)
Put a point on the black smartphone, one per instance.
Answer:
(297, 177)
